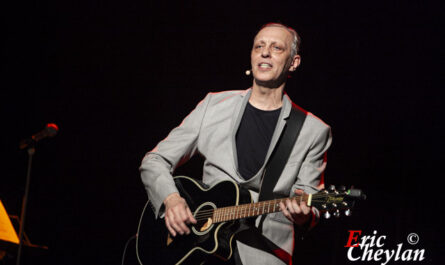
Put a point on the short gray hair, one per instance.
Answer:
(296, 40)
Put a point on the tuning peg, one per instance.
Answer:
(331, 187)
(356, 193)
(327, 215)
(337, 214)
(348, 212)
(342, 188)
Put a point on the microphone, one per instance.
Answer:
(49, 131)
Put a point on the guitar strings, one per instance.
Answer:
(261, 205)
(225, 217)
(205, 214)
(314, 199)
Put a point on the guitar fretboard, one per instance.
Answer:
(251, 209)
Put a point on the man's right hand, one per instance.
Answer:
(177, 215)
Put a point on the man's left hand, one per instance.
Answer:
(298, 213)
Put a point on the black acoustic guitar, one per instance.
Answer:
(216, 210)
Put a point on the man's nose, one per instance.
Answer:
(265, 52)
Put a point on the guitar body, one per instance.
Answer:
(155, 245)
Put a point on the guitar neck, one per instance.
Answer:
(253, 209)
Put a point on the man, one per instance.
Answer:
(236, 132)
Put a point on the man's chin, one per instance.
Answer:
(275, 83)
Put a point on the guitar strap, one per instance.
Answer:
(281, 153)
(252, 236)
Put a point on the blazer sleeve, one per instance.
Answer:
(310, 178)
(159, 164)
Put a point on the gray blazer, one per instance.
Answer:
(210, 130)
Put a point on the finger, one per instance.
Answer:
(191, 218)
(290, 207)
(283, 209)
(286, 212)
(169, 228)
(303, 205)
(181, 213)
(304, 208)
(185, 229)
(180, 217)
(299, 192)
(296, 208)
(174, 221)
(175, 225)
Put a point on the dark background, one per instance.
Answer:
(117, 76)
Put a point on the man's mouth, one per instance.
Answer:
(265, 65)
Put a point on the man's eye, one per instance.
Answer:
(277, 48)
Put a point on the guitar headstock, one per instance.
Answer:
(334, 200)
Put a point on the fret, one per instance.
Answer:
(223, 214)
(227, 214)
(234, 212)
(241, 211)
(214, 215)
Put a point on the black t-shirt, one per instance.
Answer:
(253, 139)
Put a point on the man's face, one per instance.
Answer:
(271, 56)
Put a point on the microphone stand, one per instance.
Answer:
(31, 150)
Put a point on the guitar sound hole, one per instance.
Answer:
(203, 216)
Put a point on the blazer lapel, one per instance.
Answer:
(239, 111)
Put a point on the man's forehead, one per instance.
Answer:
(274, 33)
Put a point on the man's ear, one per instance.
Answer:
(295, 63)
